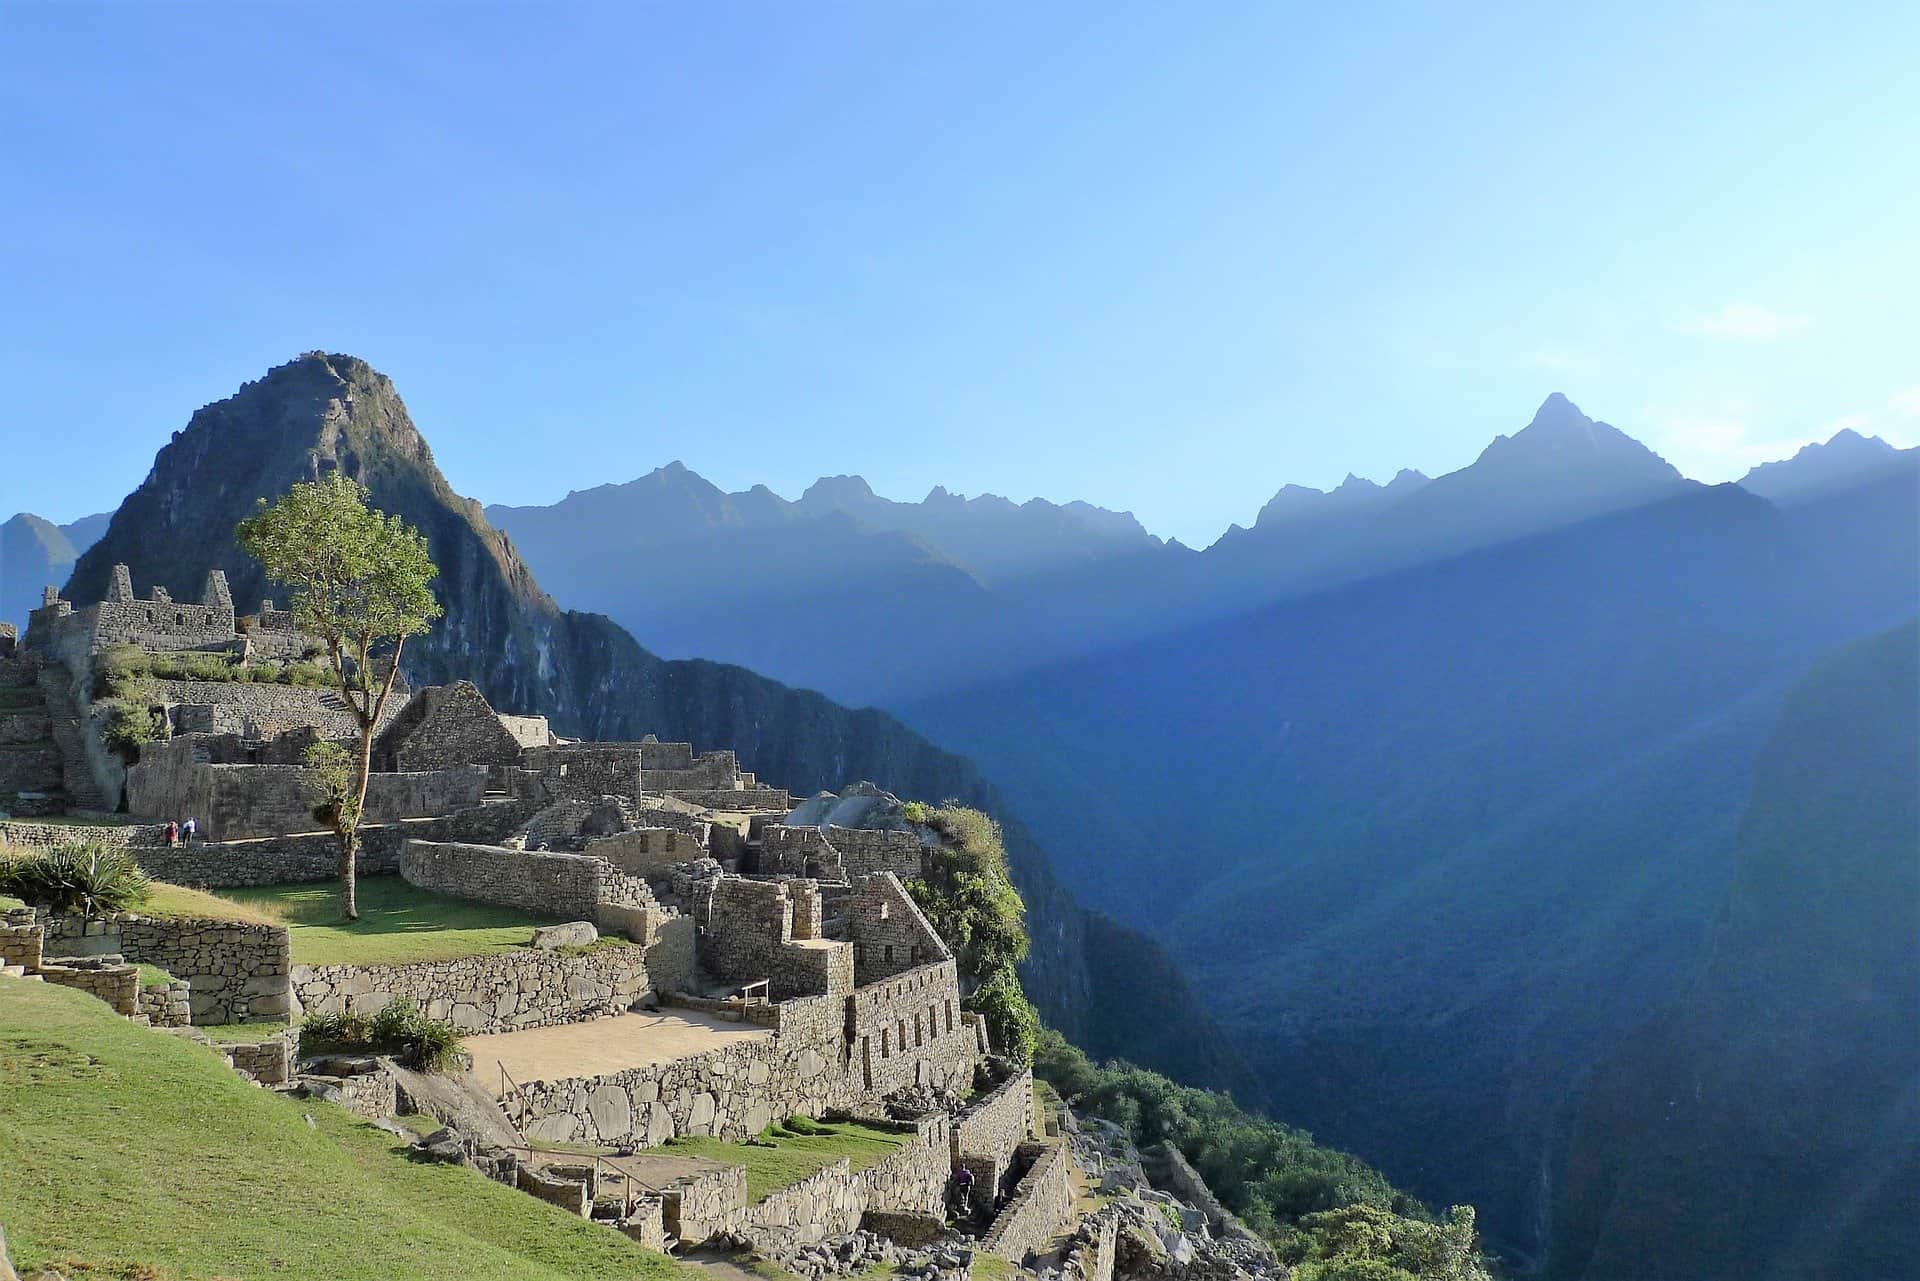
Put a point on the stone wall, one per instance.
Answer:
(257, 709)
(748, 934)
(445, 726)
(31, 835)
(562, 886)
(33, 767)
(167, 1004)
(872, 851)
(736, 799)
(314, 856)
(236, 802)
(907, 1030)
(527, 731)
(585, 773)
(502, 992)
(113, 982)
(1094, 1244)
(646, 850)
(890, 933)
(234, 972)
(269, 1062)
(992, 1128)
(732, 1093)
(1039, 1208)
(22, 941)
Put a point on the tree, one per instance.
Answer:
(359, 580)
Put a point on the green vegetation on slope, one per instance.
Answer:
(969, 899)
(398, 923)
(133, 1153)
(1325, 1210)
(798, 1149)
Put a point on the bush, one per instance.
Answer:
(1013, 1025)
(80, 876)
(129, 724)
(399, 1029)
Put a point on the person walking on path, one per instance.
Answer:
(187, 830)
(173, 833)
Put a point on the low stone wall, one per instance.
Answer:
(234, 972)
(167, 1004)
(732, 1093)
(986, 1134)
(47, 835)
(564, 886)
(116, 984)
(269, 1062)
(22, 942)
(1039, 1208)
(833, 1201)
(1093, 1246)
(315, 856)
(504, 992)
(736, 800)
(702, 1204)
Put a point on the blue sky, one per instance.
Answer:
(1163, 258)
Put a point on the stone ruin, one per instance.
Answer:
(775, 965)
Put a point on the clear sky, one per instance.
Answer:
(1161, 257)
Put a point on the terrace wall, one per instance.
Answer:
(235, 972)
(1039, 1208)
(503, 992)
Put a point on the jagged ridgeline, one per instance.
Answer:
(322, 413)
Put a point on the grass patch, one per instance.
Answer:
(794, 1156)
(9, 902)
(132, 1153)
(153, 976)
(991, 1267)
(398, 923)
(179, 901)
(242, 1033)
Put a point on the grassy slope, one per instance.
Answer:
(397, 924)
(794, 1156)
(129, 1148)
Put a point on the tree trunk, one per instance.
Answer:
(350, 831)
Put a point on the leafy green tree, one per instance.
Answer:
(359, 581)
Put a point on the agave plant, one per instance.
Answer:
(81, 876)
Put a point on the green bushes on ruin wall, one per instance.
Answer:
(969, 899)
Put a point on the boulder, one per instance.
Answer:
(571, 934)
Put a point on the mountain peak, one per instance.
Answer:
(1845, 456)
(837, 491)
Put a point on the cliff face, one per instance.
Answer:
(1768, 1124)
(322, 413)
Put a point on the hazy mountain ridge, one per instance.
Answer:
(36, 553)
(1767, 1124)
(1015, 587)
(321, 412)
(1433, 841)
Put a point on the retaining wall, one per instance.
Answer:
(234, 972)
(504, 992)
(1038, 1210)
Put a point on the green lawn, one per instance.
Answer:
(794, 1156)
(177, 900)
(398, 923)
(241, 1033)
(130, 1153)
(153, 976)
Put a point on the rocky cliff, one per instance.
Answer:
(322, 413)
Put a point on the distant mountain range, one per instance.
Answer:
(806, 590)
(36, 554)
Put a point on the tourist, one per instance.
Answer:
(186, 831)
(173, 833)
(963, 1192)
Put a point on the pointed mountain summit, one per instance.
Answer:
(324, 413)
(1847, 458)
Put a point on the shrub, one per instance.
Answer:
(1013, 1024)
(399, 1029)
(80, 876)
(129, 724)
